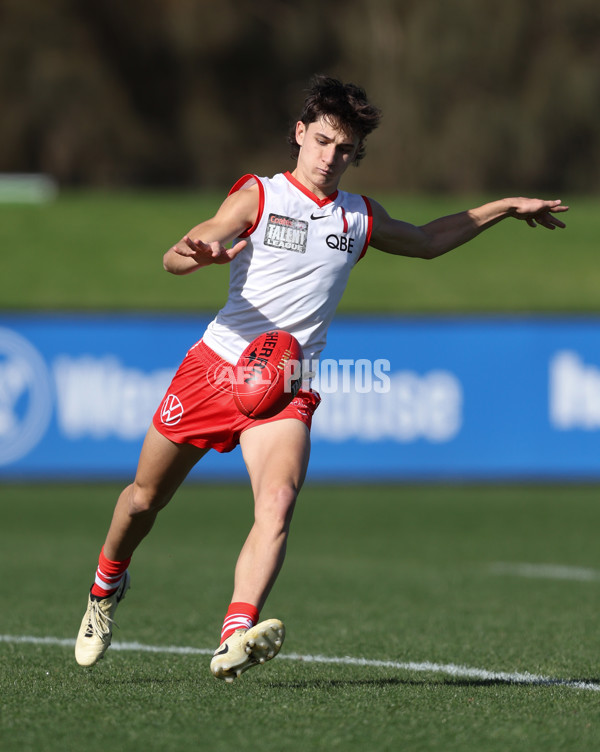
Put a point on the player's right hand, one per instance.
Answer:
(207, 253)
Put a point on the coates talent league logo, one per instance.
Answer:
(25, 397)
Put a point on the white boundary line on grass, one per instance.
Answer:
(546, 571)
(450, 669)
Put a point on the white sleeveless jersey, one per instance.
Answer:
(295, 268)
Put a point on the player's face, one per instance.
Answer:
(325, 153)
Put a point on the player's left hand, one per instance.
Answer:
(535, 212)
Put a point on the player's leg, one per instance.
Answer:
(162, 467)
(276, 455)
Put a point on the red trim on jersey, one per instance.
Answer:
(345, 221)
(239, 185)
(369, 228)
(321, 202)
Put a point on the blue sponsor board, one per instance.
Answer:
(403, 398)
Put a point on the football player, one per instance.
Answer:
(292, 241)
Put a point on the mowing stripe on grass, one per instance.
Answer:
(450, 669)
(546, 571)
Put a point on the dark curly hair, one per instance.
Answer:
(344, 105)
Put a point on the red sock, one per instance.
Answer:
(108, 575)
(238, 616)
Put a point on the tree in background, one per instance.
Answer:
(476, 96)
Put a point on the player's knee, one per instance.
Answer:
(276, 508)
(144, 499)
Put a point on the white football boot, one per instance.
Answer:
(95, 633)
(246, 648)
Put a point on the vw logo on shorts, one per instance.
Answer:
(171, 410)
(25, 396)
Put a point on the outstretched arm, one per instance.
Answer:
(442, 235)
(206, 243)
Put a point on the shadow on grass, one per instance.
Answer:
(448, 682)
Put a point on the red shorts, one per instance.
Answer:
(196, 412)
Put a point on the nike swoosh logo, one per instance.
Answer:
(224, 650)
(320, 216)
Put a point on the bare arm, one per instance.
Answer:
(205, 243)
(442, 235)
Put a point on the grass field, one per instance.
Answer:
(97, 251)
(454, 618)
(431, 580)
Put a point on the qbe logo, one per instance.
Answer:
(171, 410)
(25, 397)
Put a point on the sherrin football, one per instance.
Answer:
(268, 374)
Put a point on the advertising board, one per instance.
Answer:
(411, 398)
